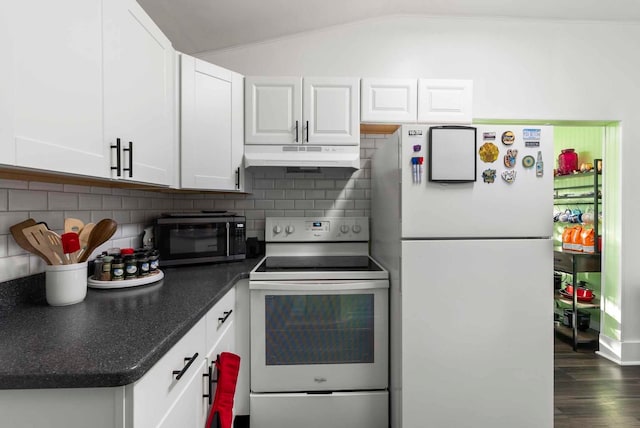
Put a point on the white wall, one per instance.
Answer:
(522, 69)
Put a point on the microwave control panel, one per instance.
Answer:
(310, 229)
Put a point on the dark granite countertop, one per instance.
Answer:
(111, 338)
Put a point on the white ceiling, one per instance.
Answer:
(203, 25)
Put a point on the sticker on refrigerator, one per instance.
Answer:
(489, 175)
(508, 138)
(489, 136)
(510, 158)
(528, 161)
(509, 176)
(416, 168)
(531, 137)
(488, 152)
(414, 132)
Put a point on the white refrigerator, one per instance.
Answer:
(470, 258)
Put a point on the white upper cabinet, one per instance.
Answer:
(389, 100)
(212, 126)
(273, 110)
(51, 105)
(445, 101)
(139, 94)
(331, 110)
(291, 110)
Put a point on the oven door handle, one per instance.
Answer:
(305, 286)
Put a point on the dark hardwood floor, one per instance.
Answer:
(591, 391)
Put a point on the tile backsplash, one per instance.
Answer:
(275, 192)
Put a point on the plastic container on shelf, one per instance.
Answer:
(567, 162)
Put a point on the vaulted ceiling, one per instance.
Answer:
(203, 25)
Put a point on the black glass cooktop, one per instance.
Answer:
(318, 264)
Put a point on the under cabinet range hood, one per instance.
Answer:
(303, 156)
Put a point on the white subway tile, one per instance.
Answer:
(13, 249)
(335, 194)
(96, 216)
(323, 204)
(294, 213)
(363, 184)
(13, 184)
(255, 214)
(314, 194)
(73, 188)
(284, 204)
(4, 197)
(334, 213)
(111, 202)
(362, 204)
(63, 201)
(303, 204)
(14, 267)
(264, 183)
(269, 213)
(54, 219)
(354, 194)
(285, 183)
(120, 192)
(234, 196)
(274, 173)
(181, 204)
(354, 213)
(223, 204)
(260, 224)
(122, 217)
(3, 244)
(274, 194)
(36, 264)
(203, 204)
(138, 216)
(98, 190)
(129, 230)
(326, 184)
(129, 203)
(84, 216)
(27, 200)
(304, 184)
(264, 204)
(314, 213)
(39, 185)
(89, 202)
(341, 184)
(244, 204)
(259, 194)
(368, 137)
(343, 204)
(157, 203)
(294, 194)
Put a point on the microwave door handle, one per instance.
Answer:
(228, 252)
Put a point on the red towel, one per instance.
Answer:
(228, 366)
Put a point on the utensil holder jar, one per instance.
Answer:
(66, 284)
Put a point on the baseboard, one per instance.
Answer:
(624, 353)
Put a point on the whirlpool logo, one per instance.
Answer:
(319, 379)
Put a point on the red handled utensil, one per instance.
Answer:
(71, 244)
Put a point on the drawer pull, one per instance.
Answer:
(179, 373)
(209, 375)
(226, 314)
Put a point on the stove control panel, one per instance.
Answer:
(313, 229)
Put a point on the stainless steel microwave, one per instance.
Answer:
(202, 237)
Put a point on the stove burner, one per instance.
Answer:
(318, 263)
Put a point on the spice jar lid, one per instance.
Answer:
(108, 259)
(126, 251)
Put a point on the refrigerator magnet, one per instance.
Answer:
(508, 138)
(509, 176)
(528, 161)
(488, 152)
(489, 136)
(510, 158)
(489, 175)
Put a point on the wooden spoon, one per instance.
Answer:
(84, 235)
(73, 225)
(102, 231)
(36, 236)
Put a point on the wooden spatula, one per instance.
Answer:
(21, 240)
(36, 235)
(102, 231)
(84, 234)
(73, 225)
(55, 242)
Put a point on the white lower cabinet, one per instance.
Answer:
(172, 394)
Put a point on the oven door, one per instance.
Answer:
(319, 335)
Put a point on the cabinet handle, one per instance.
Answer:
(307, 131)
(117, 167)
(224, 318)
(296, 131)
(179, 373)
(209, 375)
(238, 178)
(130, 150)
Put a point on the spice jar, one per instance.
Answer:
(106, 268)
(130, 267)
(153, 261)
(143, 264)
(97, 267)
(117, 269)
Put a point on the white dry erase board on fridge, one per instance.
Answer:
(452, 154)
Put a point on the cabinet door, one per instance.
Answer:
(207, 142)
(52, 112)
(331, 110)
(445, 101)
(389, 100)
(189, 410)
(138, 91)
(273, 110)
